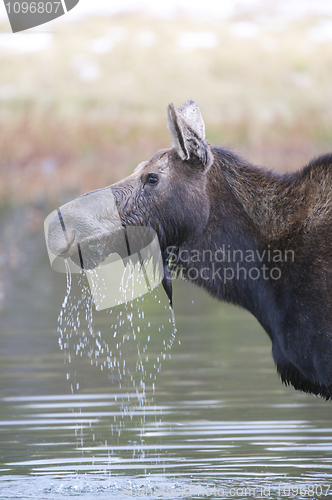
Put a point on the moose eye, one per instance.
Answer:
(152, 179)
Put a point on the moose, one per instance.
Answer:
(246, 234)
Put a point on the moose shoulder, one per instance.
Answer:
(247, 235)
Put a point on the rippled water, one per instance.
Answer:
(214, 422)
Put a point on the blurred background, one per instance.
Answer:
(82, 102)
(83, 98)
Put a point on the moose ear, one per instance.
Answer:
(187, 129)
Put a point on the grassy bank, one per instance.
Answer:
(82, 113)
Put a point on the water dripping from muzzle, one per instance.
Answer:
(167, 284)
(107, 259)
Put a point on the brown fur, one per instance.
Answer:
(197, 198)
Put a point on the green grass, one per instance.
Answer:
(269, 97)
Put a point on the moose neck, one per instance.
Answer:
(242, 255)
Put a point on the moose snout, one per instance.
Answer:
(60, 239)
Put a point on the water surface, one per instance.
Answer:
(196, 414)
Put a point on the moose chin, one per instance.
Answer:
(247, 235)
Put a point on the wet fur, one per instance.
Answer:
(255, 208)
(248, 207)
(208, 197)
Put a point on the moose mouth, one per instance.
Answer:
(69, 250)
(91, 251)
(69, 236)
(61, 246)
